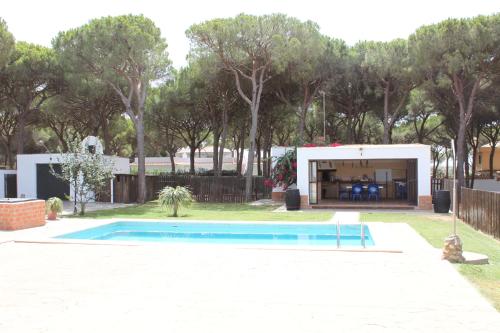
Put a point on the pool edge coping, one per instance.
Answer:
(57, 228)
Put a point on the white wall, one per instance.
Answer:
(200, 163)
(121, 165)
(26, 170)
(366, 152)
(2, 180)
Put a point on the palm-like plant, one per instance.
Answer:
(173, 198)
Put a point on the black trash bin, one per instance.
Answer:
(292, 199)
(442, 202)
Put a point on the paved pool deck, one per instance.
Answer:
(198, 288)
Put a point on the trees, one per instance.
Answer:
(464, 54)
(127, 53)
(389, 66)
(350, 95)
(219, 99)
(160, 123)
(248, 46)
(30, 78)
(6, 44)
(191, 122)
(424, 116)
(313, 60)
(8, 125)
(97, 101)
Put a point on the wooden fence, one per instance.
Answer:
(204, 188)
(436, 185)
(481, 210)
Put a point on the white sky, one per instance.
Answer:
(39, 21)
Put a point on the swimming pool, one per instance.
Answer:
(227, 233)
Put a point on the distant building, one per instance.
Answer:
(483, 159)
(206, 152)
(203, 161)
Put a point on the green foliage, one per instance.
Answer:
(88, 173)
(467, 45)
(54, 205)
(115, 48)
(173, 198)
(126, 52)
(6, 43)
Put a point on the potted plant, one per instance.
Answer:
(173, 198)
(53, 206)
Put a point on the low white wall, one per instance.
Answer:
(491, 185)
(2, 181)
(26, 170)
(121, 165)
(366, 152)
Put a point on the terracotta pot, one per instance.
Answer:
(52, 216)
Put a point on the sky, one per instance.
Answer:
(39, 22)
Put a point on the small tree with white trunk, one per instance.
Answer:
(87, 171)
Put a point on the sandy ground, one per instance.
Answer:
(188, 288)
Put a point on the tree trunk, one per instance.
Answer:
(238, 166)
(386, 139)
(192, 154)
(141, 161)
(390, 134)
(241, 152)
(473, 173)
(434, 172)
(259, 159)
(251, 153)
(492, 157)
(447, 158)
(215, 152)
(21, 123)
(302, 125)
(349, 129)
(8, 154)
(106, 137)
(172, 162)
(466, 112)
(222, 142)
(75, 190)
(460, 153)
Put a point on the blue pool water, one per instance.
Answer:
(227, 233)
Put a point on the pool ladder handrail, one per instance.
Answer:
(362, 234)
(338, 233)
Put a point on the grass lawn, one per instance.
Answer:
(211, 211)
(434, 228)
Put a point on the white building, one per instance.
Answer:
(326, 175)
(35, 180)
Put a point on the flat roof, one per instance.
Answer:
(402, 145)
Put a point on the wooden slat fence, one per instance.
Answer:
(436, 185)
(481, 210)
(204, 188)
